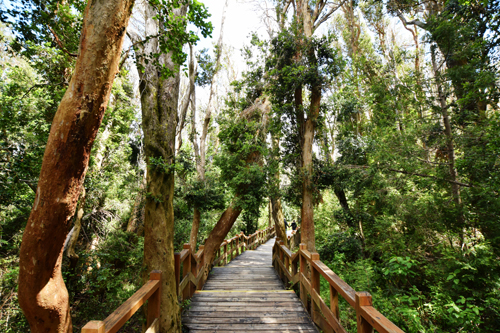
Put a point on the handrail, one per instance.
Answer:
(305, 268)
(150, 291)
(192, 279)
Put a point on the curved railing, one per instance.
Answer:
(305, 268)
(191, 279)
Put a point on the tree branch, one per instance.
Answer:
(411, 174)
(58, 41)
(328, 14)
(418, 23)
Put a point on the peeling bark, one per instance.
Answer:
(71, 254)
(43, 296)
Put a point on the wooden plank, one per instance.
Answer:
(247, 320)
(334, 280)
(94, 326)
(184, 253)
(248, 327)
(250, 314)
(329, 316)
(154, 328)
(284, 330)
(276, 298)
(291, 308)
(116, 320)
(247, 303)
(243, 292)
(378, 321)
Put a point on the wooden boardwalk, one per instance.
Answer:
(247, 296)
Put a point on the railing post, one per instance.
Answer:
(177, 260)
(194, 272)
(280, 254)
(315, 285)
(154, 300)
(186, 268)
(225, 253)
(243, 244)
(238, 245)
(303, 271)
(334, 302)
(94, 326)
(287, 266)
(363, 298)
(201, 265)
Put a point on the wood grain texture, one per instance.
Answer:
(247, 296)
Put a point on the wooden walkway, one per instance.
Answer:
(247, 296)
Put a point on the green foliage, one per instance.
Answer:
(240, 163)
(174, 34)
(105, 277)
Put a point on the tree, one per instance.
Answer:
(201, 151)
(159, 53)
(241, 162)
(42, 293)
(305, 20)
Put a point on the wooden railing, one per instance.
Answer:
(150, 291)
(305, 268)
(191, 279)
(294, 239)
(192, 264)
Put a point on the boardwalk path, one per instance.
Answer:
(247, 296)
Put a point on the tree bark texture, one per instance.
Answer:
(159, 100)
(309, 19)
(71, 253)
(278, 218)
(189, 95)
(43, 296)
(275, 201)
(193, 236)
(307, 212)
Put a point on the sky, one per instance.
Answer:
(242, 18)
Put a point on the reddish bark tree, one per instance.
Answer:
(42, 294)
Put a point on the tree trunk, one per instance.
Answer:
(278, 219)
(71, 254)
(189, 95)
(340, 194)
(159, 100)
(275, 201)
(193, 237)
(218, 234)
(43, 296)
(307, 212)
(455, 188)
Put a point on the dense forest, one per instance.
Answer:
(373, 124)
